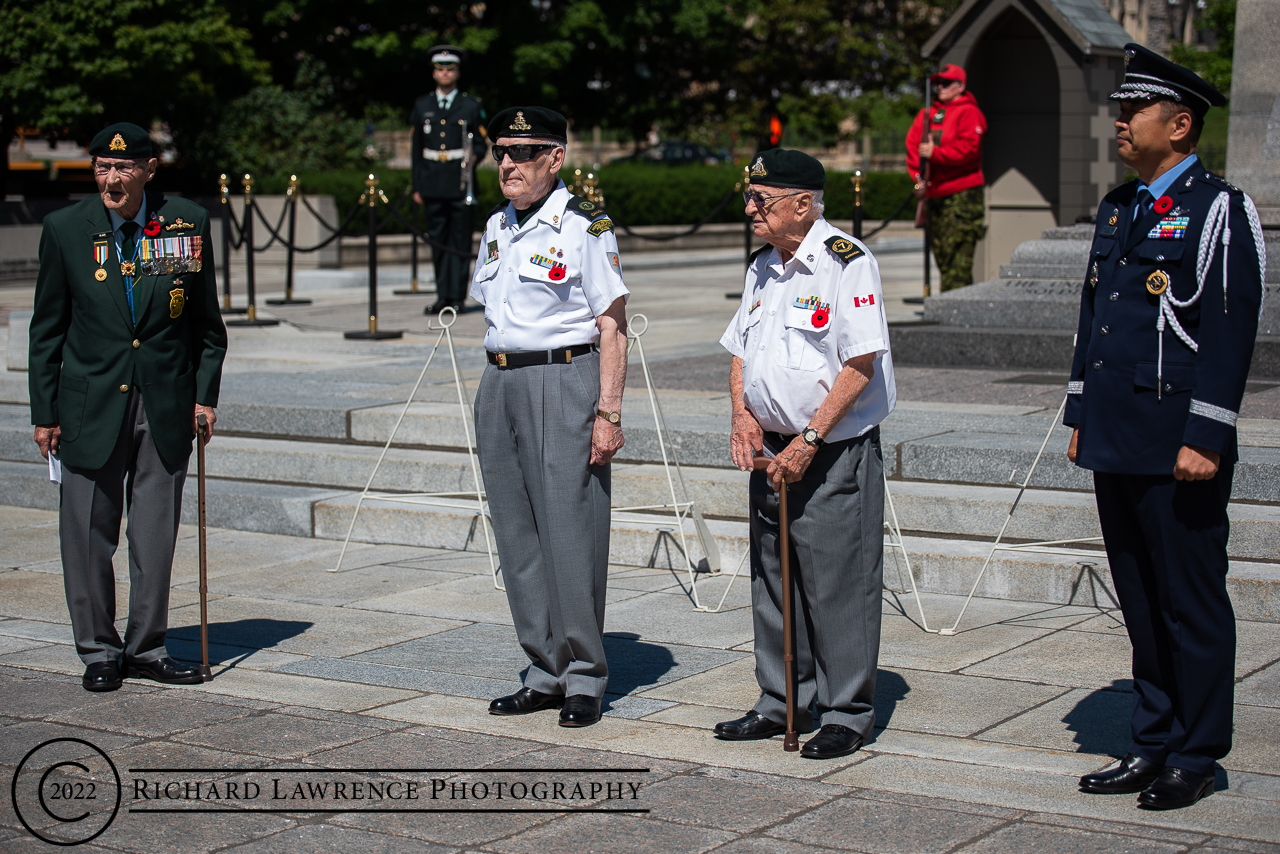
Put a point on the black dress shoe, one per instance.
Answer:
(1129, 775)
(460, 305)
(1174, 789)
(524, 701)
(831, 741)
(101, 676)
(165, 670)
(749, 727)
(436, 307)
(580, 710)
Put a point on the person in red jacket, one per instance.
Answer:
(947, 165)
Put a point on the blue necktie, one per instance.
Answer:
(1145, 200)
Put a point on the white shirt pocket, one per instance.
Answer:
(804, 340)
(556, 274)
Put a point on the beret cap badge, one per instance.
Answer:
(757, 168)
(520, 123)
(117, 143)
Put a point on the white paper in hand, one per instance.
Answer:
(55, 468)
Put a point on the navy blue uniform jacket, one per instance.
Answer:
(1126, 425)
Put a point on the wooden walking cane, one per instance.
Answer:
(202, 426)
(791, 740)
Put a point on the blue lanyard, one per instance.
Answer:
(129, 281)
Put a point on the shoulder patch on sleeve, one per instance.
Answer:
(584, 207)
(600, 226)
(843, 248)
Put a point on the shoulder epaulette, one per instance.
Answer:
(1223, 182)
(584, 207)
(497, 209)
(751, 259)
(843, 248)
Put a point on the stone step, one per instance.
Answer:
(939, 564)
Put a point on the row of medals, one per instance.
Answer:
(157, 267)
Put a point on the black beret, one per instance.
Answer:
(122, 140)
(1148, 76)
(781, 167)
(533, 122)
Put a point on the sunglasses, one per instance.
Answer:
(125, 168)
(762, 201)
(519, 153)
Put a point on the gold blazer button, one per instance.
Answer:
(136, 343)
(124, 388)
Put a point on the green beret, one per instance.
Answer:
(781, 167)
(533, 122)
(122, 140)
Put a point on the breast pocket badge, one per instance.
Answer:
(177, 298)
(556, 270)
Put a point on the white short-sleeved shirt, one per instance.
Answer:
(544, 284)
(800, 322)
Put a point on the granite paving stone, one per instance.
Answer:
(277, 736)
(733, 805)
(1118, 828)
(148, 715)
(425, 747)
(1072, 659)
(730, 686)
(481, 649)
(949, 703)
(37, 630)
(326, 839)
(1257, 645)
(309, 584)
(448, 828)
(1251, 846)
(22, 737)
(11, 644)
(1060, 840)
(412, 679)
(229, 552)
(1255, 743)
(301, 628)
(150, 833)
(1089, 721)
(625, 836)
(468, 597)
(903, 644)
(285, 688)
(995, 754)
(663, 618)
(860, 825)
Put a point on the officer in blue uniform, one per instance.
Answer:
(1168, 318)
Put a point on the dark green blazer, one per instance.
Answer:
(86, 353)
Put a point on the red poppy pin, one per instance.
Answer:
(557, 272)
(1163, 205)
(151, 229)
(820, 318)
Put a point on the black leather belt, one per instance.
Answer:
(777, 442)
(525, 358)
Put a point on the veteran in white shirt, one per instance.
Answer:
(811, 381)
(548, 411)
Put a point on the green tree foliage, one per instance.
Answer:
(74, 66)
(1214, 65)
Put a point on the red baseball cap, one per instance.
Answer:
(949, 72)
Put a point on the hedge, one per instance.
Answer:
(635, 193)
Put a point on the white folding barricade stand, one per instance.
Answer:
(433, 499)
(637, 326)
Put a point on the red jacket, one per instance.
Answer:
(957, 156)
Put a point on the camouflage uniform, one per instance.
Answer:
(956, 223)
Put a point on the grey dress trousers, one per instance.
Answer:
(837, 566)
(134, 478)
(550, 512)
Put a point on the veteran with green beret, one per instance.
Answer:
(811, 380)
(126, 349)
(548, 411)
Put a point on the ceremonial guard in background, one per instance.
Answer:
(548, 411)
(448, 142)
(1168, 318)
(126, 349)
(811, 380)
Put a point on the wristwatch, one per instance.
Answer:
(611, 417)
(811, 437)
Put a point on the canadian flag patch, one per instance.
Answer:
(869, 299)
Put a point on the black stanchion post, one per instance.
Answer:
(291, 199)
(225, 186)
(413, 254)
(857, 203)
(371, 196)
(247, 224)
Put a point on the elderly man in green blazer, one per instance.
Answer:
(126, 350)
